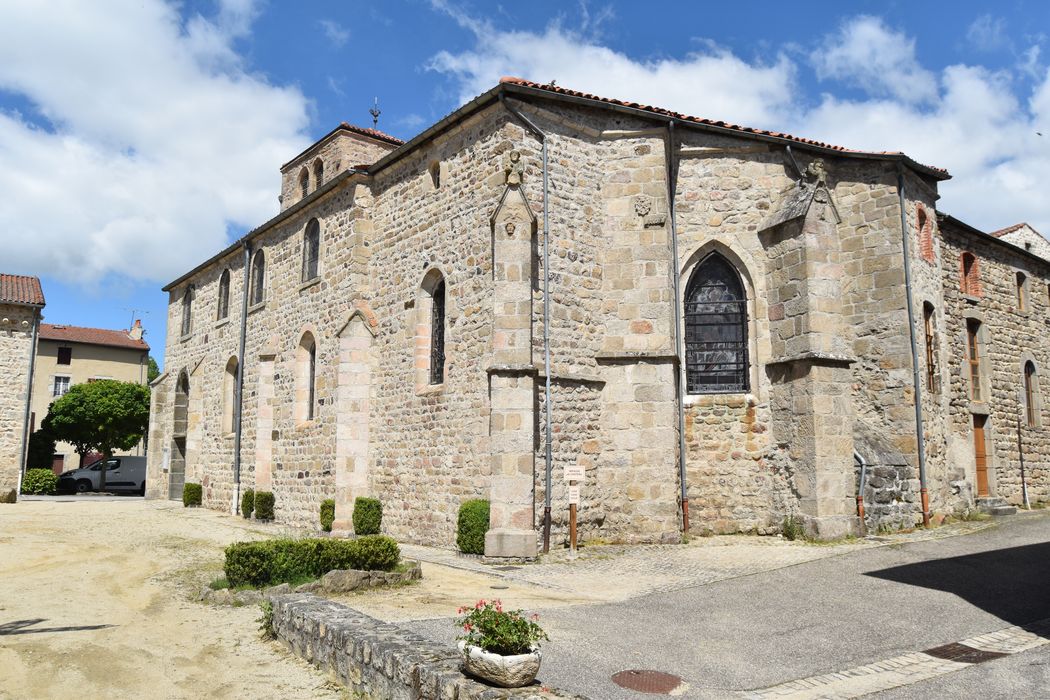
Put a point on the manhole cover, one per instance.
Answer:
(656, 682)
(962, 653)
(500, 588)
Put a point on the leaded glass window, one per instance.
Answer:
(716, 358)
(437, 335)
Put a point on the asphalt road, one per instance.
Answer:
(819, 617)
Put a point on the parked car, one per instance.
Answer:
(123, 475)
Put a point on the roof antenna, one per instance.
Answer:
(375, 112)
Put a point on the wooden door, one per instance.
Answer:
(980, 451)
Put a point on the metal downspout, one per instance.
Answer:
(24, 449)
(860, 488)
(240, 382)
(546, 326)
(672, 186)
(920, 434)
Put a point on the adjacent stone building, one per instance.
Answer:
(21, 300)
(551, 297)
(69, 355)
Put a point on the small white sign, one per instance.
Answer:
(574, 494)
(574, 472)
(165, 459)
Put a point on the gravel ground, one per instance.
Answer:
(95, 603)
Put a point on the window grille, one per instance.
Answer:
(437, 335)
(318, 172)
(61, 386)
(931, 352)
(304, 183)
(716, 358)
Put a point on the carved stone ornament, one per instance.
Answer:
(817, 173)
(513, 167)
(510, 227)
(643, 204)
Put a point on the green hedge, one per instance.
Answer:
(248, 503)
(264, 505)
(471, 526)
(192, 495)
(368, 516)
(327, 514)
(272, 562)
(40, 481)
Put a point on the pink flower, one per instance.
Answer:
(535, 617)
(479, 605)
(467, 626)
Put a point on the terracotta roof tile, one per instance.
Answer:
(373, 133)
(21, 289)
(699, 120)
(1009, 229)
(91, 336)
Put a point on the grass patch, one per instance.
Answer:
(219, 584)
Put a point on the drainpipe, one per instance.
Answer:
(24, 449)
(546, 326)
(916, 375)
(672, 186)
(237, 404)
(860, 489)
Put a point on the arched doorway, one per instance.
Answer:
(177, 472)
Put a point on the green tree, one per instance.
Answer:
(105, 415)
(152, 370)
(41, 448)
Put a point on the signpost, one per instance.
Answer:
(573, 473)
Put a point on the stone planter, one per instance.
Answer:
(505, 671)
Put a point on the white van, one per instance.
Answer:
(123, 475)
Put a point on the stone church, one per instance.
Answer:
(549, 297)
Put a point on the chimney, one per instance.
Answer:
(136, 330)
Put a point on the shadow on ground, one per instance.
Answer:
(1013, 583)
(23, 627)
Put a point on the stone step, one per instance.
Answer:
(995, 506)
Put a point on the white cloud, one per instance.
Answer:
(987, 33)
(868, 55)
(336, 33)
(713, 82)
(975, 122)
(154, 138)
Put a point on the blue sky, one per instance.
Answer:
(139, 137)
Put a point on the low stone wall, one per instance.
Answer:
(337, 581)
(378, 659)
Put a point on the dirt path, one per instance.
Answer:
(94, 603)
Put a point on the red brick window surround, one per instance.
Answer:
(970, 275)
(925, 235)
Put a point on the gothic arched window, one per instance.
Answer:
(258, 279)
(716, 358)
(223, 309)
(311, 249)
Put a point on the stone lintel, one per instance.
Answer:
(505, 542)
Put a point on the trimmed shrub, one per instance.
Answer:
(471, 526)
(327, 514)
(40, 481)
(264, 505)
(192, 495)
(272, 562)
(248, 503)
(368, 516)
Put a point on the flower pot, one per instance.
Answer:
(505, 671)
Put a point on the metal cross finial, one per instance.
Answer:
(375, 112)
